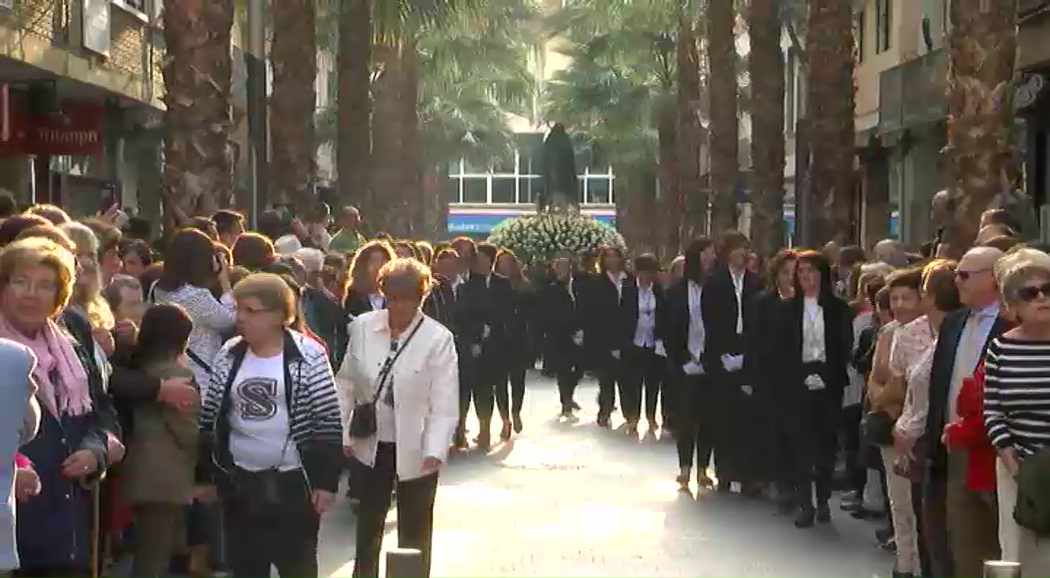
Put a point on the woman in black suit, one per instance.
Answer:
(728, 312)
(562, 323)
(686, 345)
(763, 343)
(607, 327)
(816, 337)
(519, 341)
(363, 296)
(644, 354)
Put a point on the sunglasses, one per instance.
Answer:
(1030, 293)
(965, 275)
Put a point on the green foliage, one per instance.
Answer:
(542, 237)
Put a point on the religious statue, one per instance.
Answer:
(559, 175)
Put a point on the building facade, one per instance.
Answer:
(80, 101)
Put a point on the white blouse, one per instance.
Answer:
(813, 347)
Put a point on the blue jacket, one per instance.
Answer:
(19, 418)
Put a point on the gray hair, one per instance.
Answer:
(82, 236)
(1016, 268)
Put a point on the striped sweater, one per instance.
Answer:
(1017, 394)
(314, 418)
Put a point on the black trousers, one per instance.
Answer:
(608, 369)
(849, 430)
(510, 401)
(284, 536)
(813, 442)
(693, 422)
(415, 513)
(566, 364)
(736, 432)
(643, 376)
(487, 373)
(466, 390)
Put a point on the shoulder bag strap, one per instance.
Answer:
(388, 365)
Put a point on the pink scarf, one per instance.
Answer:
(70, 395)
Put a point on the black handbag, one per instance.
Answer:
(363, 421)
(876, 428)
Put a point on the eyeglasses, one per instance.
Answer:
(965, 275)
(1030, 293)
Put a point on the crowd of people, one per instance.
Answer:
(196, 402)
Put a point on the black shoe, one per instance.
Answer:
(484, 440)
(460, 440)
(575, 406)
(603, 421)
(804, 519)
(517, 423)
(566, 411)
(824, 513)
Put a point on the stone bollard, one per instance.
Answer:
(404, 563)
(1001, 569)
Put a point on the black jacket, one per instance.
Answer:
(607, 322)
(838, 343)
(480, 305)
(720, 309)
(629, 304)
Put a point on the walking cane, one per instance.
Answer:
(96, 506)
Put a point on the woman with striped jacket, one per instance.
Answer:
(273, 435)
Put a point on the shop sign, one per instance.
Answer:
(77, 130)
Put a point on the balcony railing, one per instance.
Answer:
(912, 93)
(1028, 8)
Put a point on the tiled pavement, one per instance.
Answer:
(572, 500)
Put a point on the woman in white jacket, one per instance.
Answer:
(401, 367)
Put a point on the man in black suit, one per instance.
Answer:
(960, 524)
(485, 303)
(644, 355)
(727, 306)
(607, 327)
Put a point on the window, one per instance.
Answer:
(475, 190)
(504, 189)
(598, 190)
(883, 25)
(858, 34)
(452, 189)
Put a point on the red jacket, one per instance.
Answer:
(968, 433)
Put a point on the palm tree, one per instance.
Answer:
(766, 65)
(690, 135)
(198, 177)
(722, 57)
(293, 55)
(982, 47)
(830, 182)
(354, 147)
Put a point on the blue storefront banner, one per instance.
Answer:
(483, 223)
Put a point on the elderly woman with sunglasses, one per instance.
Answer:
(1017, 397)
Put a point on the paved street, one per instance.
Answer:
(572, 500)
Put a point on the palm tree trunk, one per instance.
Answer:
(198, 177)
(412, 171)
(766, 64)
(386, 204)
(830, 185)
(689, 132)
(354, 146)
(669, 201)
(981, 50)
(293, 54)
(721, 54)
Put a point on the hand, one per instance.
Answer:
(1011, 460)
(110, 215)
(203, 494)
(126, 332)
(903, 445)
(431, 465)
(299, 229)
(177, 392)
(348, 451)
(616, 354)
(79, 464)
(27, 483)
(322, 500)
(105, 340)
(115, 450)
(747, 389)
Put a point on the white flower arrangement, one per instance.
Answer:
(542, 236)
